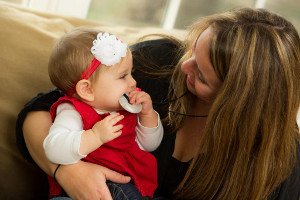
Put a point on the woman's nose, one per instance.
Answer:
(186, 66)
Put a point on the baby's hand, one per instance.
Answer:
(140, 97)
(106, 129)
(147, 116)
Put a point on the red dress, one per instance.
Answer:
(121, 154)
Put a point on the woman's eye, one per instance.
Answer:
(201, 78)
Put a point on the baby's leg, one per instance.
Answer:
(125, 191)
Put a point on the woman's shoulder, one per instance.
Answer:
(42, 102)
(156, 55)
(162, 43)
(154, 61)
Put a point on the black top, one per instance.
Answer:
(170, 170)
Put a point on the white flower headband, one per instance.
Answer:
(108, 49)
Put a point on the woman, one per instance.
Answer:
(234, 96)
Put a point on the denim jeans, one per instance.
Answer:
(120, 191)
(125, 191)
(68, 198)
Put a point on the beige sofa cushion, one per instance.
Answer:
(26, 39)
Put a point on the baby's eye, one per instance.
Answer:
(123, 76)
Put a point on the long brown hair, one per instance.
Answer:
(251, 131)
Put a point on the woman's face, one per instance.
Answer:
(202, 80)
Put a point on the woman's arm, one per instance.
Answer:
(81, 180)
(35, 128)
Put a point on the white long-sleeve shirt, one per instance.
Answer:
(63, 141)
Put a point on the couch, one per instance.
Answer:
(27, 38)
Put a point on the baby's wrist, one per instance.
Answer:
(149, 113)
(97, 137)
(149, 120)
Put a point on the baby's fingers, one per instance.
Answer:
(132, 96)
(113, 118)
(137, 97)
(115, 135)
(116, 119)
(117, 128)
(143, 98)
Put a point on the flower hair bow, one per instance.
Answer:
(108, 49)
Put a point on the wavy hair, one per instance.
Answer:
(251, 132)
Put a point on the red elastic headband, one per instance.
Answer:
(86, 74)
(91, 69)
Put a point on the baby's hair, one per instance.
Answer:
(71, 55)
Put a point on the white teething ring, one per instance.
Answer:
(132, 108)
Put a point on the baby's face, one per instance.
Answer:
(112, 82)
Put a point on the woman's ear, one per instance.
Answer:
(84, 90)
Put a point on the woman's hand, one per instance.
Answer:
(81, 180)
(87, 181)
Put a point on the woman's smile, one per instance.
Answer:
(190, 81)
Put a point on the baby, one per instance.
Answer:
(94, 71)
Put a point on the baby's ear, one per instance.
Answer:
(84, 90)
